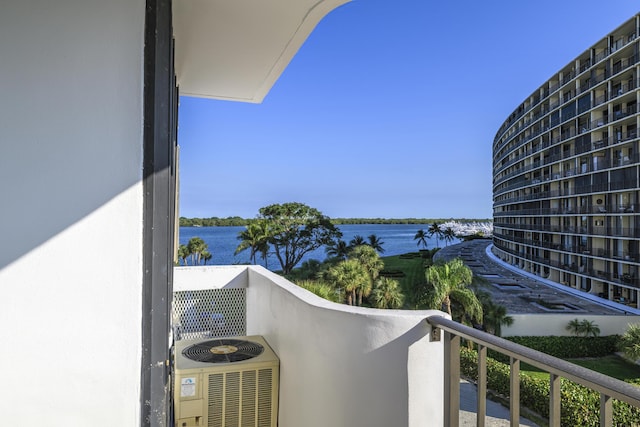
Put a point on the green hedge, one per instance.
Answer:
(565, 347)
(580, 406)
(392, 273)
(410, 255)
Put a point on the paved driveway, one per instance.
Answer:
(516, 291)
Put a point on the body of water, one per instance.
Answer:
(397, 239)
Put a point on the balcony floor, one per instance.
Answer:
(497, 415)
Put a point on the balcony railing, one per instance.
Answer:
(608, 388)
(372, 357)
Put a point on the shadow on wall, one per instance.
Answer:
(48, 198)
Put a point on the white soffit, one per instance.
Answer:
(237, 49)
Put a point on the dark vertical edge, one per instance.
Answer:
(158, 207)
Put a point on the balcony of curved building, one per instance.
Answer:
(588, 63)
(622, 87)
(581, 230)
(623, 257)
(618, 89)
(580, 265)
(581, 147)
(534, 192)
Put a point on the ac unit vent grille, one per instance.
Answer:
(232, 403)
(223, 351)
(216, 399)
(249, 399)
(265, 378)
(243, 402)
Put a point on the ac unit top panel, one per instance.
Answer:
(185, 365)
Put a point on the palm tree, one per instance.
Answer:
(357, 241)
(448, 235)
(584, 328)
(434, 230)
(574, 327)
(348, 275)
(206, 256)
(450, 283)
(387, 294)
(421, 237)
(254, 237)
(370, 261)
(376, 243)
(196, 246)
(183, 254)
(589, 328)
(263, 246)
(264, 252)
(629, 343)
(495, 316)
(338, 249)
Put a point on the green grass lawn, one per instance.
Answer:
(612, 365)
(413, 268)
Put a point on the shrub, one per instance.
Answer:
(580, 406)
(321, 289)
(629, 343)
(567, 347)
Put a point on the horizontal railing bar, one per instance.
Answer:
(594, 380)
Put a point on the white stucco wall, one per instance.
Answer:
(346, 366)
(339, 365)
(534, 325)
(71, 211)
(196, 278)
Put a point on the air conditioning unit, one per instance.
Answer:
(226, 382)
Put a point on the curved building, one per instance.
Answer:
(566, 195)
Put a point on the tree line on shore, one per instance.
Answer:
(292, 230)
(238, 221)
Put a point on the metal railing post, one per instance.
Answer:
(452, 379)
(514, 392)
(606, 411)
(554, 400)
(482, 386)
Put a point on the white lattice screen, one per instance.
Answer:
(209, 313)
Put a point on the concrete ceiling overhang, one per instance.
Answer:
(237, 49)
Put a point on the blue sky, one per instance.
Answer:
(388, 110)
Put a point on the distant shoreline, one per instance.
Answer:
(237, 221)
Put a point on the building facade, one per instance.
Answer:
(566, 195)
